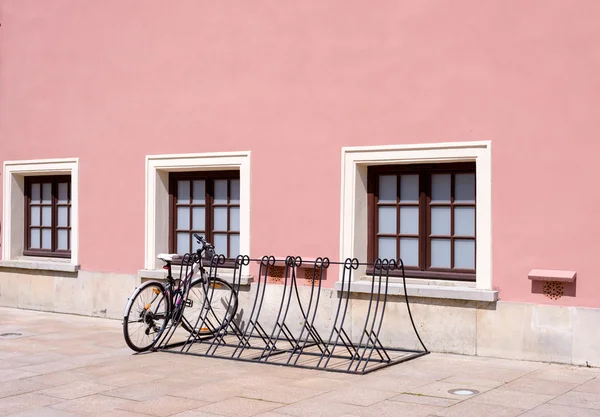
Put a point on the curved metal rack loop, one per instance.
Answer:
(242, 260)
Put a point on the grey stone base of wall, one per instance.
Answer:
(501, 329)
(86, 293)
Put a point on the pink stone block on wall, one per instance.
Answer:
(552, 275)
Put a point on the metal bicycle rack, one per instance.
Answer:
(294, 339)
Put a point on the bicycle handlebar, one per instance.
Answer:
(204, 245)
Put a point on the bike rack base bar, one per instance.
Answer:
(329, 368)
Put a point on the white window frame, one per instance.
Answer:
(13, 213)
(157, 195)
(354, 216)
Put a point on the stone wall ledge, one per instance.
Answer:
(41, 265)
(161, 274)
(426, 291)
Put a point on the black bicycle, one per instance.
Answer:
(203, 305)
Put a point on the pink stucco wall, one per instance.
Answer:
(114, 80)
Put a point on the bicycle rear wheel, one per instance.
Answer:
(210, 308)
(146, 316)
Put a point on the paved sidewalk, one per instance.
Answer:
(62, 365)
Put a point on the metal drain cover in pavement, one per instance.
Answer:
(463, 391)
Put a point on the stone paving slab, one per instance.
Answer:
(64, 365)
(549, 410)
(591, 387)
(472, 408)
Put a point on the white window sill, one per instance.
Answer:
(433, 289)
(42, 264)
(161, 274)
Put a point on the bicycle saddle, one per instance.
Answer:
(168, 257)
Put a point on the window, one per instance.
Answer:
(424, 214)
(16, 177)
(48, 216)
(356, 223)
(160, 171)
(207, 203)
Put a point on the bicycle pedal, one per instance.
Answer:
(189, 303)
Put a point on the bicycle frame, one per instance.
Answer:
(173, 288)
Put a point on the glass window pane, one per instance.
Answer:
(34, 238)
(387, 248)
(183, 218)
(63, 193)
(46, 216)
(464, 254)
(198, 218)
(440, 187)
(183, 243)
(234, 193)
(220, 192)
(220, 242)
(464, 187)
(46, 193)
(409, 220)
(409, 188)
(35, 216)
(195, 244)
(46, 239)
(220, 220)
(183, 191)
(35, 193)
(464, 221)
(234, 219)
(386, 220)
(234, 246)
(440, 221)
(440, 253)
(63, 216)
(387, 188)
(199, 192)
(409, 251)
(62, 239)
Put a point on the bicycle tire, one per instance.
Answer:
(211, 319)
(149, 306)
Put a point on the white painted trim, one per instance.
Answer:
(356, 160)
(157, 169)
(14, 172)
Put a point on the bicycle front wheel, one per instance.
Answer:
(210, 308)
(146, 316)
